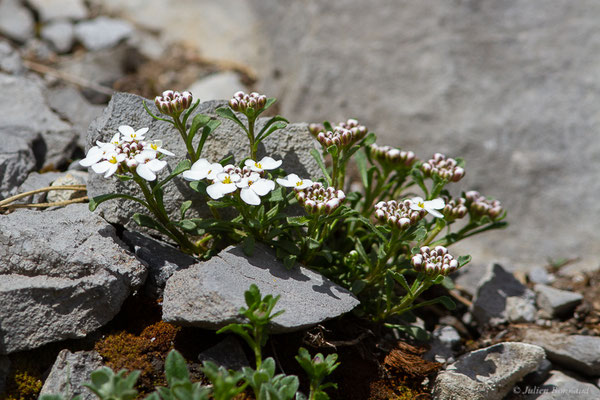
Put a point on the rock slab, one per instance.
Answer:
(102, 32)
(69, 372)
(501, 298)
(210, 294)
(577, 352)
(561, 386)
(17, 157)
(556, 302)
(487, 374)
(63, 274)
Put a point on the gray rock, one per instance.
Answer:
(501, 298)
(17, 157)
(69, 178)
(577, 352)
(60, 34)
(562, 386)
(228, 353)
(556, 302)
(50, 10)
(4, 370)
(446, 341)
(468, 278)
(23, 105)
(16, 21)
(69, 372)
(10, 60)
(161, 260)
(292, 145)
(102, 32)
(37, 181)
(210, 294)
(539, 274)
(70, 104)
(64, 273)
(487, 374)
(540, 375)
(219, 86)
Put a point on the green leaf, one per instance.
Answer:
(276, 195)
(333, 150)
(416, 332)
(420, 234)
(198, 122)
(317, 156)
(463, 260)
(270, 101)
(313, 244)
(96, 201)
(417, 176)
(189, 112)
(369, 139)
(176, 368)
(124, 178)
(187, 225)
(248, 246)
(183, 165)
(361, 163)
(398, 277)
(226, 112)
(275, 123)
(199, 186)
(185, 206)
(447, 302)
(206, 131)
(289, 261)
(149, 222)
(154, 116)
(358, 286)
(448, 283)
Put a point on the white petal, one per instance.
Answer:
(417, 200)
(101, 168)
(262, 186)
(285, 183)
(228, 188)
(200, 165)
(215, 169)
(126, 130)
(249, 163)
(249, 196)
(142, 131)
(270, 163)
(145, 172)
(115, 139)
(111, 170)
(243, 183)
(193, 175)
(437, 204)
(305, 183)
(156, 165)
(435, 213)
(165, 152)
(415, 206)
(93, 156)
(214, 191)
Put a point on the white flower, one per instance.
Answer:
(293, 180)
(94, 155)
(267, 163)
(254, 186)
(156, 145)
(223, 184)
(202, 169)
(110, 165)
(431, 206)
(148, 165)
(130, 134)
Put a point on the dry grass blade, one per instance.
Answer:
(16, 197)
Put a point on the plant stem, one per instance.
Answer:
(253, 144)
(184, 136)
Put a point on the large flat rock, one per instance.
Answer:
(487, 374)
(210, 294)
(63, 274)
(17, 157)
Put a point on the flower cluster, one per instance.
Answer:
(398, 214)
(445, 168)
(480, 206)
(228, 179)
(392, 156)
(343, 134)
(455, 208)
(127, 153)
(317, 199)
(434, 262)
(242, 101)
(173, 103)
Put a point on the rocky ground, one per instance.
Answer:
(79, 290)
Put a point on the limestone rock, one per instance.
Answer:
(69, 372)
(17, 157)
(292, 145)
(562, 386)
(23, 105)
(228, 353)
(210, 294)
(50, 10)
(577, 352)
(69, 178)
(487, 374)
(501, 298)
(10, 60)
(219, 86)
(556, 302)
(102, 32)
(64, 273)
(37, 181)
(161, 259)
(60, 34)
(16, 21)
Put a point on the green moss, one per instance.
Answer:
(23, 385)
